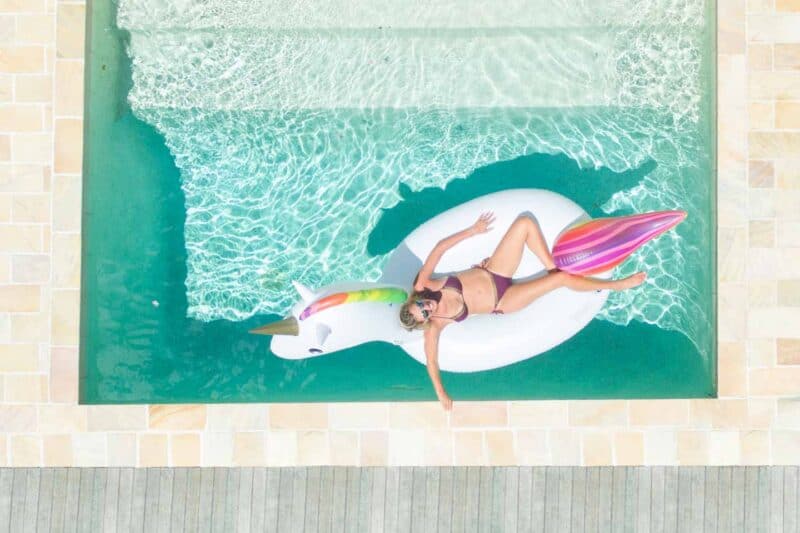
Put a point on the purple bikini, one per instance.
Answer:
(501, 285)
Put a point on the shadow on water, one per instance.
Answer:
(589, 188)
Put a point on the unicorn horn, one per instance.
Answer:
(287, 326)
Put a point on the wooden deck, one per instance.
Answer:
(402, 499)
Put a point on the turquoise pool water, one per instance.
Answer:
(258, 143)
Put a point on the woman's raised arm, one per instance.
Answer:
(432, 358)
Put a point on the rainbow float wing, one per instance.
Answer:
(382, 295)
(600, 245)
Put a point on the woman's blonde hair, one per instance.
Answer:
(407, 319)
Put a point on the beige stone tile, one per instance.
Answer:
(731, 27)
(787, 115)
(64, 375)
(468, 448)
(439, 448)
(313, 447)
(30, 327)
(659, 412)
(121, 449)
(24, 238)
(21, 177)
(30, 268)
(718, 413)
(57, 450)
(6, 86)
(21, 118)
(724, 448)
(732, 370)
(26, 450)
(25, 388)
(19, 358)
(755, 447)
(773, 28)
(68, 145)
(282, 448)
(31, 208)
(31, 148)
(35, 29)
(761, 413)
(65, 317)
(298, 416)
(15, 6)
(759, 56)
(771, 86)
(5, 273)
(565, 447)
(90, 449)
(500, 447)
(249, 448)
(176, 416)
(785, 445)
(406, 447)
(70, 30)
(788, 351)
(538, 414)
(598, 413)
(761, 203)
(344, 448)
(18, 418)
(660, 448)
(33, 88)
(774, 264)
(761, 115)
(482, 414)
(767, 144)
(3, 450)
(116, 417)
(779, 381)
(787, 172)
(69, 88)
(236, 417)
(787, 5)
(8, 29)
(692, 448)
(788, 292)
(22, 59)
(787, 56)
(417, 415)
(153, 450)
(769, 322)
(788, 233)
(217, 448)
(628, 448)
(5, 199)
(66, 260)
(761, 173)
(762, 233)
(57, 418)
(358, 415)
(788, 414)
(731, 247)
(184, 449)
(5, 149)
(66, 203)
(597, 448)
(533, 447)
(374, 449)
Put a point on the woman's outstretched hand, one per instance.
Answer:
(445, 400)
(483, 224)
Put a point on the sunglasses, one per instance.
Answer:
(421, 305)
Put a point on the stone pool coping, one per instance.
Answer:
(755, 420)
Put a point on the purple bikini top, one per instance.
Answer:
(452, 283)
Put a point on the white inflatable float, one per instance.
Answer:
(344, 315)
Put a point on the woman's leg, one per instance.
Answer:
(524, 231)
(521, 295)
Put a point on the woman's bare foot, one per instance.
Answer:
(631, 281)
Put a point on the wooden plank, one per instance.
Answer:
(285, 496)
(352, 502)
(18, 491)
(790, 502)
(219, 497)
(272, 499)
(618, 477)
(32, 493)
(299, 502)
(657, 487)
(258, 500)
(377, 499)
(98, 499)
(498, 497)
(164, 506)
(631, 498)
(85, 500)
(591, 511)
(205, 501)
(73, 499)
(552, 478)
(672, 488)
(605, 499)
(524, 499)
(684, 499)
(711, 499)
(644, 494)
(511, 503)
(763, 499)
(738, 506)
(339, 499)
(444, 519)
(417, 499)
(776, 499)
(460, 503)
(125, 500)
(6, 484)
(485, 499)
(152, 489)
(325, 513)
(364, 499)
(232, 499)
(698, 497)
(564, 498)
(472, 510)
(45, 508)
(177, 512)
(430, 522)
(311, 518)
(391, 512)
(404, 498)
(751, 499)
(724, 499)
(194, 482)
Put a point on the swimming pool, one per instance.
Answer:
(233, 147)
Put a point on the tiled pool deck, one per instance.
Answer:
(756, 419)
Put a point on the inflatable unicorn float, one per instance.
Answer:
(344, 315)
